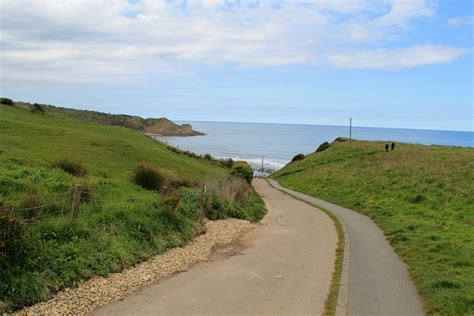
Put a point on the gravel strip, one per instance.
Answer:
(96, 292)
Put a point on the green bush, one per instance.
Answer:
(243, 170)
(229, 163)
(11, 232)
(72, 167)
(341, 139)
(7, 101)
(38, 108)
(149, 178)
(323, 147)
(298, 157)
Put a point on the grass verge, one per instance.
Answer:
(422, 197)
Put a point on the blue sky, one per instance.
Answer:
(386, 63)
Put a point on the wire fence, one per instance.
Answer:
(68, 203)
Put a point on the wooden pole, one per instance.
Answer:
(76, 201)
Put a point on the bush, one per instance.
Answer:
(243, 170)
(341, 139)
(323, 147)
(149, 178)
(11, 232)
(298, 157)
(208, 157)
(7, 101)
(229, 163)
(71, 167)
(38, 108)
(170, 200)
(88, 189)
(32, 204)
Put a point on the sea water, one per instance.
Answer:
(278, 143)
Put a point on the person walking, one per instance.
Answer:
(393, 146)
(386, 147)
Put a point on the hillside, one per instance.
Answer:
(421, 196)
(119, 223)
(159, 126)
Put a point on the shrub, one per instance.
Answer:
(243, 170)
(11, 232)
(323, 147)
(232, 189)
(229, 163)
(149, 178)
(341, 139)
(208, 157)
(38, 108)
(32, 205)
(7, 101)
(298, 157)
(170, 200)
(71, 167)
(88, 189)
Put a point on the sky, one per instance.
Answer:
(385, 63)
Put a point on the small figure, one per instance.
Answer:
(393, 146)
(386, 147)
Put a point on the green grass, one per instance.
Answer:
(421, 196)
(119, 223)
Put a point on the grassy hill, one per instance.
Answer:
(421, 196)
(120, 223)
(161, 125)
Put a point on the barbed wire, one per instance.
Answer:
(39, 206)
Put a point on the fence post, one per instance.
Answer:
(76, 200)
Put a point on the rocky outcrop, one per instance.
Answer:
(165, 127)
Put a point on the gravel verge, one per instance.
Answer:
(99, 291)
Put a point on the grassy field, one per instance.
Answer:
(421, 196)
(120, 224)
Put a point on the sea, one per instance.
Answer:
(276, 144)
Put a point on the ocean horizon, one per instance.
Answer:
(278, 143)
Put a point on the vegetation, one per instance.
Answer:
(421, 196)
(72, 167)
(243, 170)
(323, 147)
(120, 223)
(150, 125)
(298, 157)
(148, 178)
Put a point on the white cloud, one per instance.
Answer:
(114, 40)
(397, 58)
(461, 21)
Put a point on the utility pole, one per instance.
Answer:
(350, 128)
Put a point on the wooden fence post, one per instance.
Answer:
(76, 201)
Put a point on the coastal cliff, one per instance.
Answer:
(155, 126)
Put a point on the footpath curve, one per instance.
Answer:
(374, 280)
(285, 267)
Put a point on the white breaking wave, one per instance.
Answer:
(269, 165)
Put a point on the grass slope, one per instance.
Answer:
(421, 196)
(120, 224)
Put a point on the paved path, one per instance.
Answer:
(286, 270)
(378, 281)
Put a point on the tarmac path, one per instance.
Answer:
(284, 267)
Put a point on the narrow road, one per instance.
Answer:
(285, 269)
(378, 281)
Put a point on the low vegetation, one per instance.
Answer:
(421, 196)
(298, 157)
(122, 218)
(242, 170)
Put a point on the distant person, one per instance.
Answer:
(386, 147)
(393, 146)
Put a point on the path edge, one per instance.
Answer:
(340, 281)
